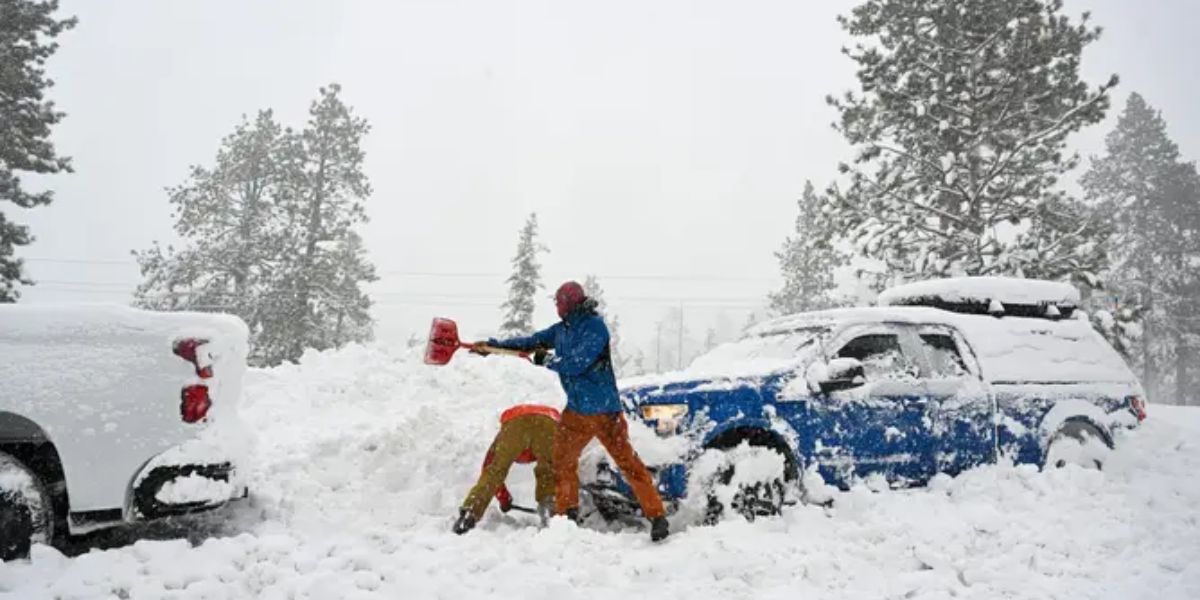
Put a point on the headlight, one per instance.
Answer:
(666, 416)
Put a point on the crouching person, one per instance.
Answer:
(526, 435)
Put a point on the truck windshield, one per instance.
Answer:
(760, 354)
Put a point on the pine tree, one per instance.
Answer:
(591, 287)
(1154, 202)
(227, 217)
(636, 365)
(807, 259)
(326, 191)
(961, 127)
(268, 235)
(341, 307)
(27, 33)
(674, 346)
(524, 282)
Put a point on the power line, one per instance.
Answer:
(110, 284)
(408, 295)
(458, 275)
(78, 261)
(465, 300)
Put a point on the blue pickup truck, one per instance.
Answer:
(946, 375)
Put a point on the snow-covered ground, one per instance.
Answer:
(364, 456)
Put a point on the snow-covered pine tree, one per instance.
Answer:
(1183, 285)
(674, 346)
(268, 234)
(324, 263)
(636, 365)
(525, 281)
(227, 217)
(27, 33)
(1153, 200)
(591, 287)
(807, 259)
(960, 129)
(342, 307)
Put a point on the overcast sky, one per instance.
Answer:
(662, 143)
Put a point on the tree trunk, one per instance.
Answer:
(1148, 370)
(1183, 355)
(304, 311)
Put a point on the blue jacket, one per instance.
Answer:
(581, 359)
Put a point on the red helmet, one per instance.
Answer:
(568, 297)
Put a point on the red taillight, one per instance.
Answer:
(1137, 406)
(195, 403)
(189, 349)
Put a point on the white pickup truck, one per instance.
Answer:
(111, 415)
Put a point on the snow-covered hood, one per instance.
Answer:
(680, 391)
(747, 362)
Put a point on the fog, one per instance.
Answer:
(662, 144)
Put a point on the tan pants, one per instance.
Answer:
(574, 433)
(532, 432)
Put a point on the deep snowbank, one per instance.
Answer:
(363, 457)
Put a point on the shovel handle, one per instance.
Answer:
(494, 350)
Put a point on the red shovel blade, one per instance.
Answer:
(443, 341)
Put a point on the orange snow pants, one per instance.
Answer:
(573, 434)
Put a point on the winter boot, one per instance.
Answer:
(659, 529)
(465, 522)
(573, 514)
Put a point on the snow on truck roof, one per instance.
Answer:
(1019, 347)
(843, 316)
(98, 320)
(981, 290)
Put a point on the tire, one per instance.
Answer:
(26, 510)
(750, 500)
(1078, 443)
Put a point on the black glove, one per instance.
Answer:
(539, 357)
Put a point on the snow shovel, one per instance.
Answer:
(444, 342)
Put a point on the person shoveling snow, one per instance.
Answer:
(526, 435)
(583, 361)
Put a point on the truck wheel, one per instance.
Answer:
(1077, 443)
(751, 499)
(25, 510)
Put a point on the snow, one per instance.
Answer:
(1050, 351)
(757, 354)
(15, 480)
(1007, 290)
(820, 372)
(1015, 349)
(848, 316)
(194, 488)
(365, 454)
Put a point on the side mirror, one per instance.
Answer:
(835, 375)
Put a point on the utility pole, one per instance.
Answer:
(679, 356)
(658, 347)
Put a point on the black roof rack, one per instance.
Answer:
(1041, 310)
